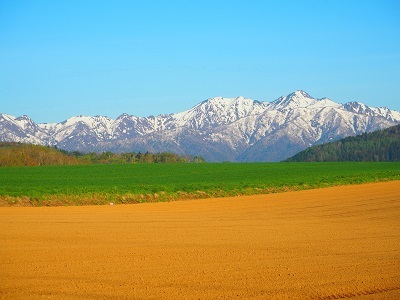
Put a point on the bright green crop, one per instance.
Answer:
(218, 179)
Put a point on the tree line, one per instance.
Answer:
(21, 154)
(133, 157)
(381, 145)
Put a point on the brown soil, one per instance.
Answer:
(340, 242)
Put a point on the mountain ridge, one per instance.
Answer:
(219, 129)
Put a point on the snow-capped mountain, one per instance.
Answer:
(219, 129)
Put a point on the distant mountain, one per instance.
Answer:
(381, 145)
(218, 129)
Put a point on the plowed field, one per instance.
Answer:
(341, 242)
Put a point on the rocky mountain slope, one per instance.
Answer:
(218, 129)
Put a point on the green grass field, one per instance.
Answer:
(99, 184)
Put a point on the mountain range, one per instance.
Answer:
(218, 129)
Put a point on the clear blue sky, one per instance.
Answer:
(65, 58)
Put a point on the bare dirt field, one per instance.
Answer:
(341, 242)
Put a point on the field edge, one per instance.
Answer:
(131, 198)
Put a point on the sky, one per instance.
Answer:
(65, 58)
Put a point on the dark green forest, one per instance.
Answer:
(382, 145)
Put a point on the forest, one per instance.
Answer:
(381, 145)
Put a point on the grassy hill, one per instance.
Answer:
(382, 145)
(19, 154)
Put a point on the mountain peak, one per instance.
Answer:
(218, 111)
(299, 94)
(294, 100)
(23, 118)
(123, 116)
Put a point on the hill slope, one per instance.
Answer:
(381, 145)
(18, 154)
